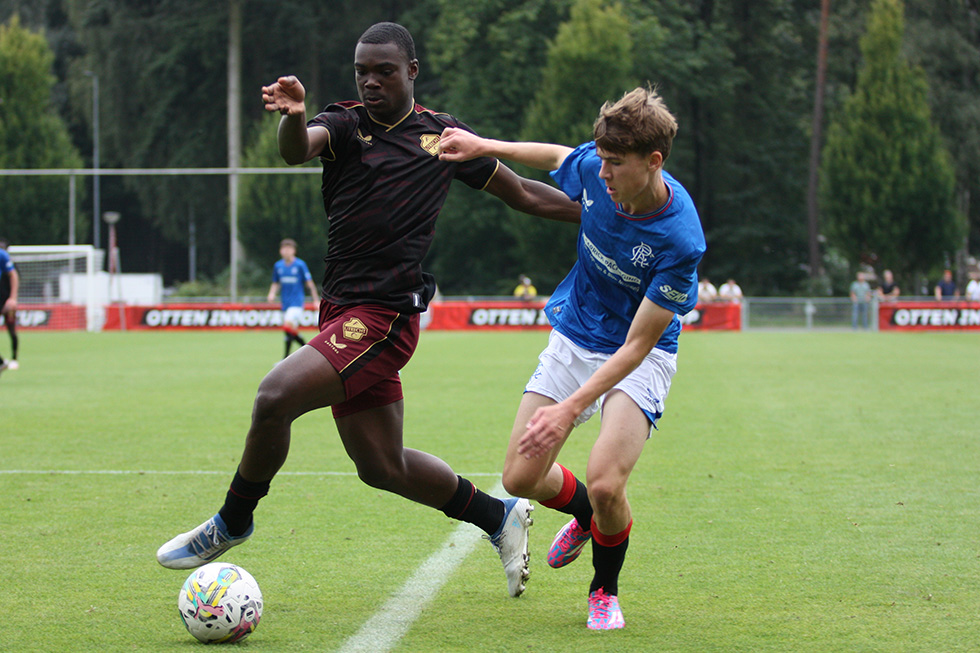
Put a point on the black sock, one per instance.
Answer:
(299, 340)
(289, 342)
(607, 562)
(475, 506)
(580, 507)
(240, 502)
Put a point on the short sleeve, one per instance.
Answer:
(340, 123)
(676, 287)
(569, 175)
(476, 173)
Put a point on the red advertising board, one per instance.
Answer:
(480, 315)
(51, 317)
(929, 316)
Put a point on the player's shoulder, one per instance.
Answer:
(439, 118)
(348, 111)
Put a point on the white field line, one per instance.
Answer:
(383, 631)
(389, 624)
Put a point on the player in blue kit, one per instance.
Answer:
(615, 325)
(9, 285)
(291, 277)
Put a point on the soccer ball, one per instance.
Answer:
(220, 602)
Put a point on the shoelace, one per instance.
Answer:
(209, 539)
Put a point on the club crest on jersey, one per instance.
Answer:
(641, 255)
(354, 329)
(430, 143)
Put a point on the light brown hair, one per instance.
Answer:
(639, 122)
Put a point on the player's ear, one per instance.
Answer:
(655, 161)
(413, 69)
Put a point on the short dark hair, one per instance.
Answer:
(381, 33)
(3, 243)
(288, 242)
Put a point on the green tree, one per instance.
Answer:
(32, 135)
(273, 207)
(886, 179)
(588, 62)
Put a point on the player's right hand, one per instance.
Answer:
(459, 145)
(286, 96)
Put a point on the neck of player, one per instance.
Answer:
(654, 196)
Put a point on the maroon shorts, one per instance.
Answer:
(367, 345)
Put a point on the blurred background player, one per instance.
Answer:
(9, 286)
(291, 277)
(615, 326)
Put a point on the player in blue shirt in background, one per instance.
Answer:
(9, 286)
(291, 277)
(615, 327)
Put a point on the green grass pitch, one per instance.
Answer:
(805, 492)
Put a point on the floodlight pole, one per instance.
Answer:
(96, 199)
(234, 132)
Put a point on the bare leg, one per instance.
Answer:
(621, 438)
(303, 382)
(535, 478)
(373, 440)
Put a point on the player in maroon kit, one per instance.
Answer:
(383, 187)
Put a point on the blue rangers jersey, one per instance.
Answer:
(292, 280)
(623, 258)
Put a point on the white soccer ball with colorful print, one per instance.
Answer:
(220, 602)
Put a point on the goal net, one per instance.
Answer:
(59, 286)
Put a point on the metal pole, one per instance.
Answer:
(71, 209)
(234, 130)
(96, 199)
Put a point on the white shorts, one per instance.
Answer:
(564, 367)
(293, 315)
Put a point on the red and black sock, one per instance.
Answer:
(573, 499)
(240, 502)
(608, 555)
(475, 506)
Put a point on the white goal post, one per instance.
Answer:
(59, 287)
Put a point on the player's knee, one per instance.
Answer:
(606, 494)
(271, 402)
(379, 474)
(518, 483)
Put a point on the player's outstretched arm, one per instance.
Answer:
(461, 145)
(533, 197)
(297, 143)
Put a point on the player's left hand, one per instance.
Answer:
(548, 427)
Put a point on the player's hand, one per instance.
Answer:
(548, 427)
(286, 96)
(460, 145)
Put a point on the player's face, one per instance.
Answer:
(287, 252)
(385, 80)
(629, 179)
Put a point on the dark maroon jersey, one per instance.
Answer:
(383, 186)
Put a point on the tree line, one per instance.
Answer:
(900, 166)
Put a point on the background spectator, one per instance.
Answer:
(730, 291)
(973, 287)
(946, 289)
(860, 298)
(525, 289)
(888, 290)
(707, 291)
